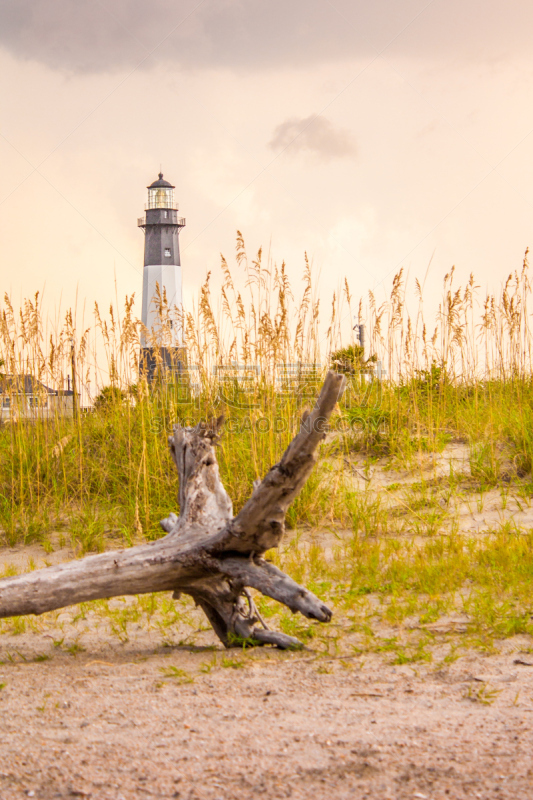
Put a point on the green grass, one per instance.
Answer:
(393, 556)
(107, 475)
(115, 480)
(390, 596)
(177, 674)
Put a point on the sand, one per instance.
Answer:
(85, 712)
(123, 721)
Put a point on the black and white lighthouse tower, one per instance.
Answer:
(162, 344)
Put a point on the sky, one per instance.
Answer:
(372, 136)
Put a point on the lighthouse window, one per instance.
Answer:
(165, 214)
(167, 252)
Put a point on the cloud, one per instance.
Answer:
(314, 134)
(99, 35)
(102, 35)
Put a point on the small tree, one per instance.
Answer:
(350, 360)
(110, 397)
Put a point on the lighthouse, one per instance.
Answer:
(162, 339)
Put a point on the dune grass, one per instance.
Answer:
(401, 559)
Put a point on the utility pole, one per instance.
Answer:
(74, 386)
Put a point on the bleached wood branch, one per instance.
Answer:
(207, 552)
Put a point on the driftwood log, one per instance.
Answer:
(207, 553)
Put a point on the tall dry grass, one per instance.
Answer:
(258, 352)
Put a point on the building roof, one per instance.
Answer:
(23, 384)
(160, 183)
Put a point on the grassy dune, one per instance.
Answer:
(408, 533)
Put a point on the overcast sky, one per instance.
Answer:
(372, 135)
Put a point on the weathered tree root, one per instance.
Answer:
(207, 553)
